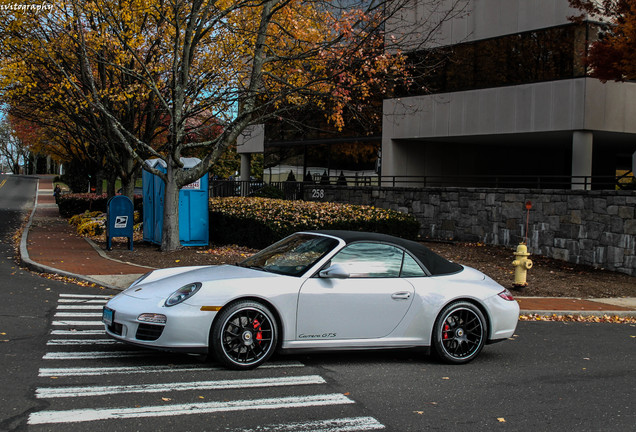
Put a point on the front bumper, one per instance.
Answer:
(187, 328)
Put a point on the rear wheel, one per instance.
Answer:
(459, 333)
(244, 335)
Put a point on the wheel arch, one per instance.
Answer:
(472, 301)
(268, 304)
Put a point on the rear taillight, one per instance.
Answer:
(506, 295)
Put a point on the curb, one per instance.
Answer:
(26, 261)
(624, 314)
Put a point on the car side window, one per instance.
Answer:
(410, 267)
(370, 260)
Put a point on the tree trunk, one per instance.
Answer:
(170, 234)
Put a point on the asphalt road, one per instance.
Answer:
(61, 374)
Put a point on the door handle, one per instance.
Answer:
(403, 295)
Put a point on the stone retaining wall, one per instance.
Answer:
(597, 228)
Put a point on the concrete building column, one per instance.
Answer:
(581, 158)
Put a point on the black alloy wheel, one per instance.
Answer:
(460, 333)
(244, 335)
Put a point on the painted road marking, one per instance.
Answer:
(60, 392)
(85, 296)
(125, 370)
(76, 301)
(77, 315)
(79, 307)
(79, 332)
(78, 323)
(333, 425)
(83, 342)
(84, 415)
(95, 355)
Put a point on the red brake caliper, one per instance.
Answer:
(446, 329)
(259, 333)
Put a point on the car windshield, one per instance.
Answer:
(291, 256)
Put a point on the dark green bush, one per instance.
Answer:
(72, 204)
(258, 222)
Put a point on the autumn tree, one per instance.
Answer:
(12, 149)
(224, 63)
(44, 84)
(613, 55)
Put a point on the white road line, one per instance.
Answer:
(77, 315)
(61, 392)
(100, 332)
(82, 342)
(334, 425)
(78, 323)
(125, 370)
(94, 355)
(84, 415)
(85, 296)
(75, 301)
(79, 307)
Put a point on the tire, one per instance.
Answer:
(244, 335)
(460, 333)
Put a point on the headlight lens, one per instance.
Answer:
(183, 293)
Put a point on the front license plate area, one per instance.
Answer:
(108, 316)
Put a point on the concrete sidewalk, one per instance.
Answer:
(50, 245)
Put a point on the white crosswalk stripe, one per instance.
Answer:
(55, 392)
(78, 315)
(333, 425)
(63, 342)
(76, 341)
(79, 307)
(78, 323)
(144, 369)
(84, 415)
(95, 355)
(82, 333)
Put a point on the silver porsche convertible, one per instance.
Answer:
(317, 290)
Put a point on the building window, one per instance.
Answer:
(541, 55)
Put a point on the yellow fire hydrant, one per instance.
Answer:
(521, 264)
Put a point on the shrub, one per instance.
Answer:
(258, 222)
(91, 228)
(94, 223)
(72, 204)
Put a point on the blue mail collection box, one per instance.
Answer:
(119, 220)
(193, 206)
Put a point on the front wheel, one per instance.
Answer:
(244, 335)
(459, 333)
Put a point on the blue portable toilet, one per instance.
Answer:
(193, 206)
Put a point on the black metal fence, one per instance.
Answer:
(295, 190)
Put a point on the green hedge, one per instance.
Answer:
(73, 204)
(259, 222)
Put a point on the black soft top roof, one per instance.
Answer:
(434, 263)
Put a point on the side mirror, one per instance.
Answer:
(335, 271)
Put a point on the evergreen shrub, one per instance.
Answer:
(259, 222)
(72, 204)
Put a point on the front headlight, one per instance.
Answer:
(182, 294)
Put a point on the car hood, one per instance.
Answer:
(162, 283)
